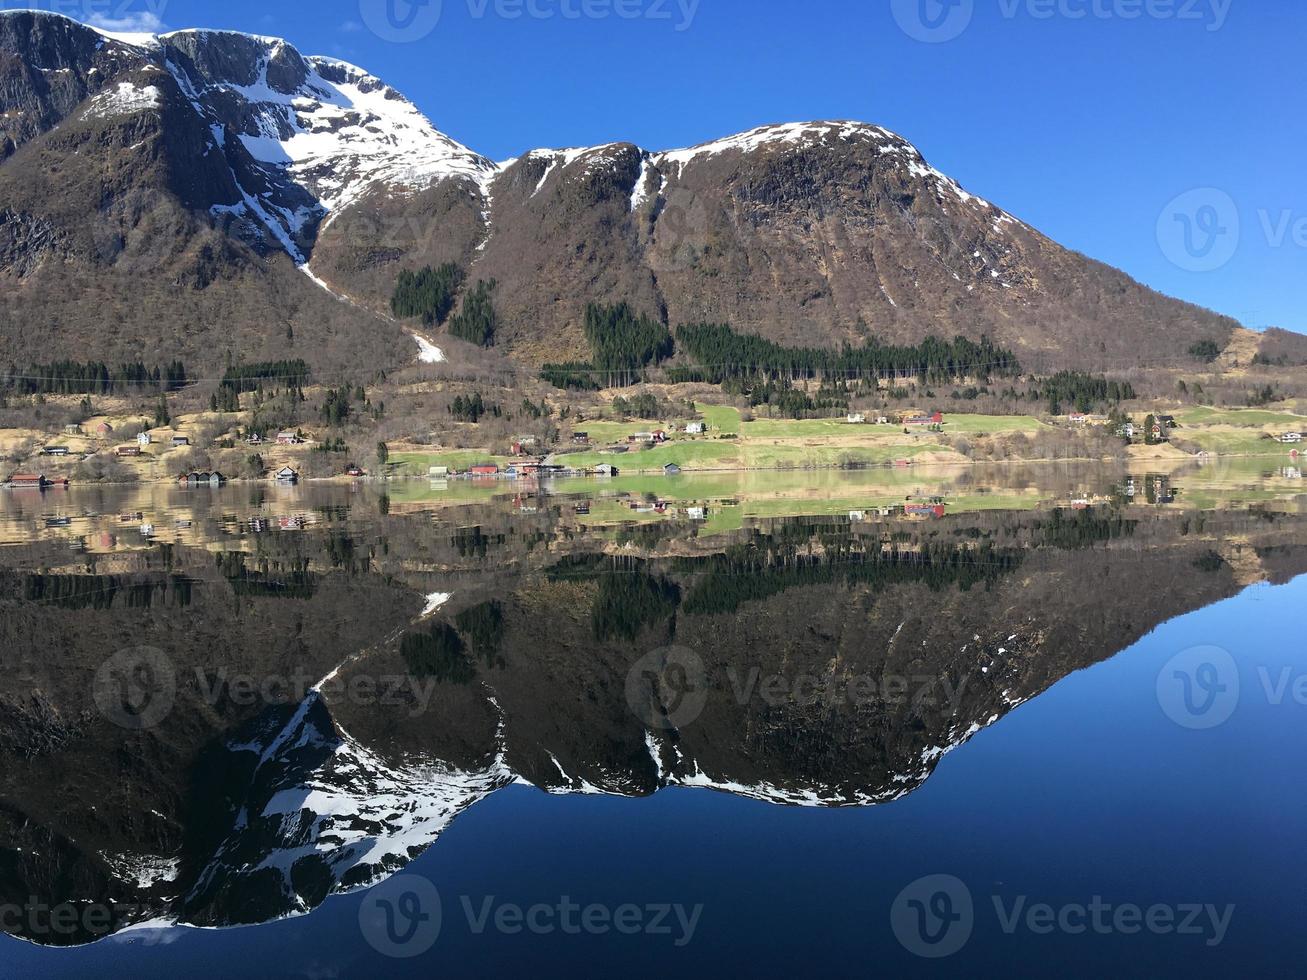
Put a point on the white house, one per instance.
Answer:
(856, 419)
(143, 440)
(1291, 437)
(696, 429)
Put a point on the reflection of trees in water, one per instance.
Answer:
(628, 602)
(730, 581)
(437, 654)
(101, 591)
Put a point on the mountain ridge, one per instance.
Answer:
(815, 233)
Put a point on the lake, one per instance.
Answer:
(1022, 720)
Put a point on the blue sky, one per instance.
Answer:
(1086, 118)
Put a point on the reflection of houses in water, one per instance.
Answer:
(1292, 473)
(1160, 490)
(926, 511)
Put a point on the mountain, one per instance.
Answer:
(217, 168)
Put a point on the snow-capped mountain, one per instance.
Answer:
(318, 133)
(245, 151)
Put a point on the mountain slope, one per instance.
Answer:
(216, 167)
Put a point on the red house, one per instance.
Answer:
(936, 419)
(485, 469)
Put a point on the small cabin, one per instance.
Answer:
(288, 439)
(144, 439)
(287, 475)
(55, 451)
(72, 430)
(581, 438)
(1291, 438)
(128, 451)
(671, 469)
(104, 429)
(181, 441)
(605, 470)
(485, 469)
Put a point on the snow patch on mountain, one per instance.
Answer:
(125, 99)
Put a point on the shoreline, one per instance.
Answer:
(1126, 461)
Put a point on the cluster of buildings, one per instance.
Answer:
(214, 479)
(35, 481)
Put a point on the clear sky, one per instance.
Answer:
(1087, 118)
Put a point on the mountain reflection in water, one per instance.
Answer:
(221, 709)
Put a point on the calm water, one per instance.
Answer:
(994, 722)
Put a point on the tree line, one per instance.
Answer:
(93, 378)
(722, 353)
(251, 377)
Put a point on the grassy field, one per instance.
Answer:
(721, 419)
(1234, 442)
(838, 428)
(703, 455)
(1248, 417)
